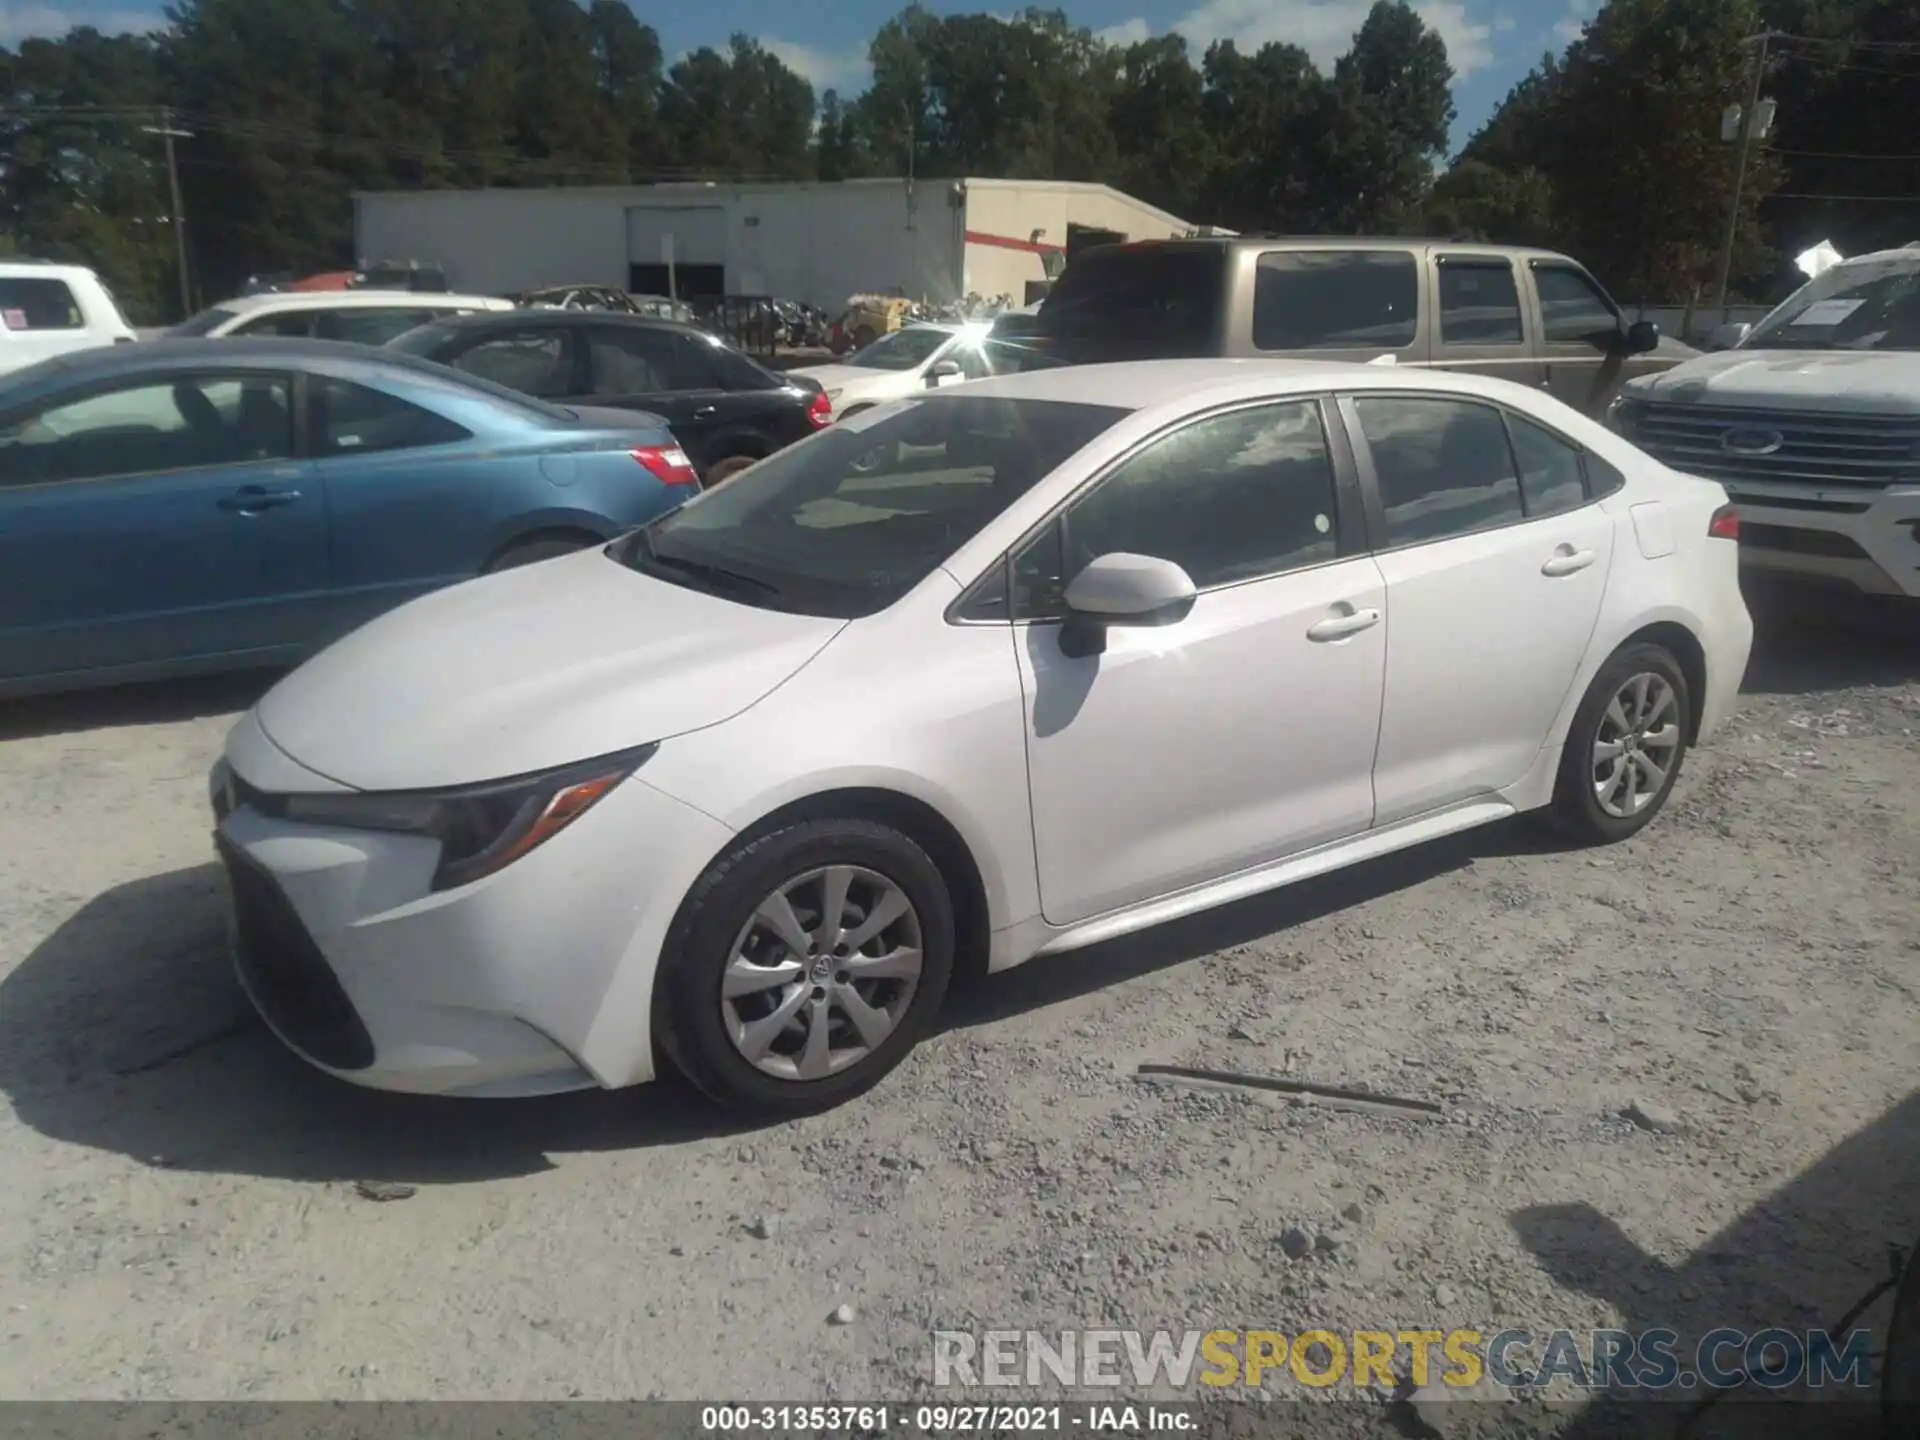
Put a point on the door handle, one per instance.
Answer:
(252, 499)
(1338, 627)
(705, 412)
(1565, 562)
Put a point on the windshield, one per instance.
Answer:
(423, 339)
(847, 522)
(1869, 305)
(205, 323)
(902, 350)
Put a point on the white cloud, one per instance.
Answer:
(842, 70)
(1579, 12)
(51, 19)
(1322, 28)
(1127, 32)
(1503, 23)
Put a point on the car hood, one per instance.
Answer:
(531, 668)
(1845, 380)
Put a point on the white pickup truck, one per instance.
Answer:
(1811, 420)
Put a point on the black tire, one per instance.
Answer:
(724, 470)
(1576, 811)
(689, 1023)
(544, 547)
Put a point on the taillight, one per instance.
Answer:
(1725, 524)
(820, 410)
(669, 464)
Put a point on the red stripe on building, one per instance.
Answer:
(1007, 242)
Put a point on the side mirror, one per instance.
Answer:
(942, 371)
(1642, 336)
(1726, 337)
(1123, 589)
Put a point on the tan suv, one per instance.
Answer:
(1530, 316)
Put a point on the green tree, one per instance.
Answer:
(1163, 150)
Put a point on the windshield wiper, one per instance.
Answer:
(715, 575)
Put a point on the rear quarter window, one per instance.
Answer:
(1336, 300)
(1153, 302)
(36, 303)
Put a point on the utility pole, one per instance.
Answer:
(166, 129)
(1747, 115)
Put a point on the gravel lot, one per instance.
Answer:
(183, 1214)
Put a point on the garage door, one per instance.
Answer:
(699, 234)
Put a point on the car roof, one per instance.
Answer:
(225, 353)
(520, 315)
(1150, 384)
(21, 267)
(1331, 242)
(358, 299)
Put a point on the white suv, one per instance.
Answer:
(1812, 422)
(365, 317)
(48, 310)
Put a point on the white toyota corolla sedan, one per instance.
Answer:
(1001, 671)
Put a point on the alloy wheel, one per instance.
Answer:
(1636, 745)
(822, 973)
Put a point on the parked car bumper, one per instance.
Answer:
(533, 980)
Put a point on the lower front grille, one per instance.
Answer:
(286, 973)
(1800, 542)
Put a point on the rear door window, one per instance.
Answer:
(1479, 302)
(1443, 466)
(535, 361)
(1336, 300)
(1149, 302)
(639, 360)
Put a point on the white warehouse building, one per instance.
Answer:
(818, 243)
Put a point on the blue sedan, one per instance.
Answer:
(199, 505)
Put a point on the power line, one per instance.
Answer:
(1848, 199)
(1892, 47)
(1851, 69)
(1845, 155)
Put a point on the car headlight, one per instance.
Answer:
(1620, 412)
(481, 828)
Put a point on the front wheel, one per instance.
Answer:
(1624, 748)
(805, 965)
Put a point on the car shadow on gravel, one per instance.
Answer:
(160, 702)
(979, 999)
(125, 1031)
(1810, 641)
(1801, 1259)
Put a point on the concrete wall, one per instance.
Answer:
(1016, 208)
(816, 243)
(822, 243)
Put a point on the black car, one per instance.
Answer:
(724, 409)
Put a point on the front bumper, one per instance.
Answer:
(533, 980)
(1868, 541)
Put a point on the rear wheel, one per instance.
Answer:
(863, 336)
(805, 965)
(538, 548)
(1624, 748)
(725, 470)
